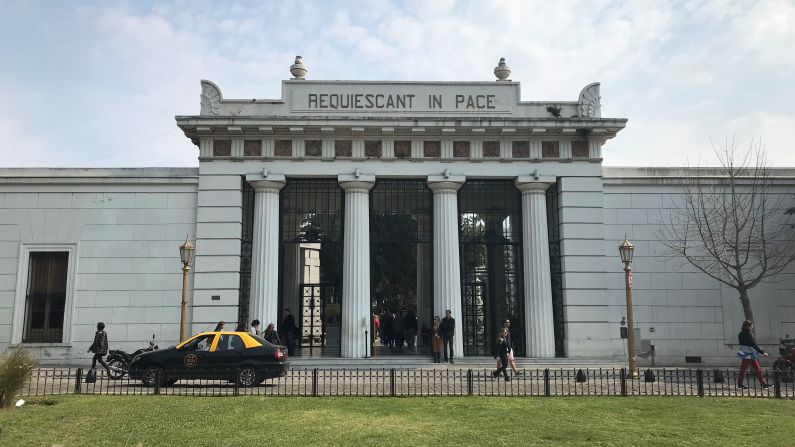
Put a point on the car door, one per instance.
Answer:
(225, 357)
(193, 357)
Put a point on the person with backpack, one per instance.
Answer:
(100, 349)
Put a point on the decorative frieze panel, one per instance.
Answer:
(461, 149)
(222, 148)
(431, 149)
(491, 149)
(476, 149)
(313, 148)
(252, 148)
(520, 149)
(550, 149)
(283, 148)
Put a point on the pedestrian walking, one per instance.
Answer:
(511, 361)
(100, 348)
(242, 326)
(503, 347)
(447, 331)
(749, 353)
(219, 327)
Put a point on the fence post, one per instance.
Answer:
(157, 381)
(78, 380)
(777, 383)
(700, 382)
(236, 390)
(392, 382)
(623, 375)
(469, 382)
(314, 381)
(546, 383)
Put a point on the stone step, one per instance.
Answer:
(413, 362)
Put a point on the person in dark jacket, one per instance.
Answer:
(99, 347)
(397, 332)
(271, 336)
(447, 331)
(749, 353)
(503, 348)
(219, 326)
(290, 330)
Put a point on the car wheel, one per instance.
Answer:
(248, 376)
(117, 368)
(151, 374)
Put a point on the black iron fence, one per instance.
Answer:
(426, 382)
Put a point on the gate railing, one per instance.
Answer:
(424, 382)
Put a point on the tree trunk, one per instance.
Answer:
(749, 314)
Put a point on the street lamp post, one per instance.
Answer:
(626, 250)
(185, 254)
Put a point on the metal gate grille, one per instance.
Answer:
(315, 320)
(474, 324)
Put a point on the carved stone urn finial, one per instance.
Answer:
(298, 69)
(502, 71)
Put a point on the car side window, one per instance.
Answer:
(202, 343)
(229, 342)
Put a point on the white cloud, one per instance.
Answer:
(681, 72)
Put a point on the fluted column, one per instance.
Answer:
(356, 264)
(539, 323)
(446, 262)
(263, 295)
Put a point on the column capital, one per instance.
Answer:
(441, 183)
(354, 182)
(271, 182)
(530, 183)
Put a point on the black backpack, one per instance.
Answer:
(91, 376)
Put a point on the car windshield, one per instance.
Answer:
(261, 340)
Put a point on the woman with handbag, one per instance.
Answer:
(749, 353)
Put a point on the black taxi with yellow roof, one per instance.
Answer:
(236, 356)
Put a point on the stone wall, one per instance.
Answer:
(122, 227)
(678, 309)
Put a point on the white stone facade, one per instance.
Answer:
(122, 228)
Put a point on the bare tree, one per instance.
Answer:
(731, 225)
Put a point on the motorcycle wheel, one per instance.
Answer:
(248, 377)
(117, 369)
(786, 369)
(150, 375)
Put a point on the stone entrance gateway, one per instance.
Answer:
(363, 198)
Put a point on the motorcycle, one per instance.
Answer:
(119, 361)
(786, 360)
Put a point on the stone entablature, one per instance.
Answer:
(327, 120)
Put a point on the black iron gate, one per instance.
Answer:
(475, 318)
(319, 318)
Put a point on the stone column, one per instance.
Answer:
(446, 261)
(538, 320)
(264, 293)
(356, 264)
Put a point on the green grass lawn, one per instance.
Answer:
(256, 421)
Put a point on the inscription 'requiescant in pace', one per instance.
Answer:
(365, 101)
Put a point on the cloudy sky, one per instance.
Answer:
(99, 83)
